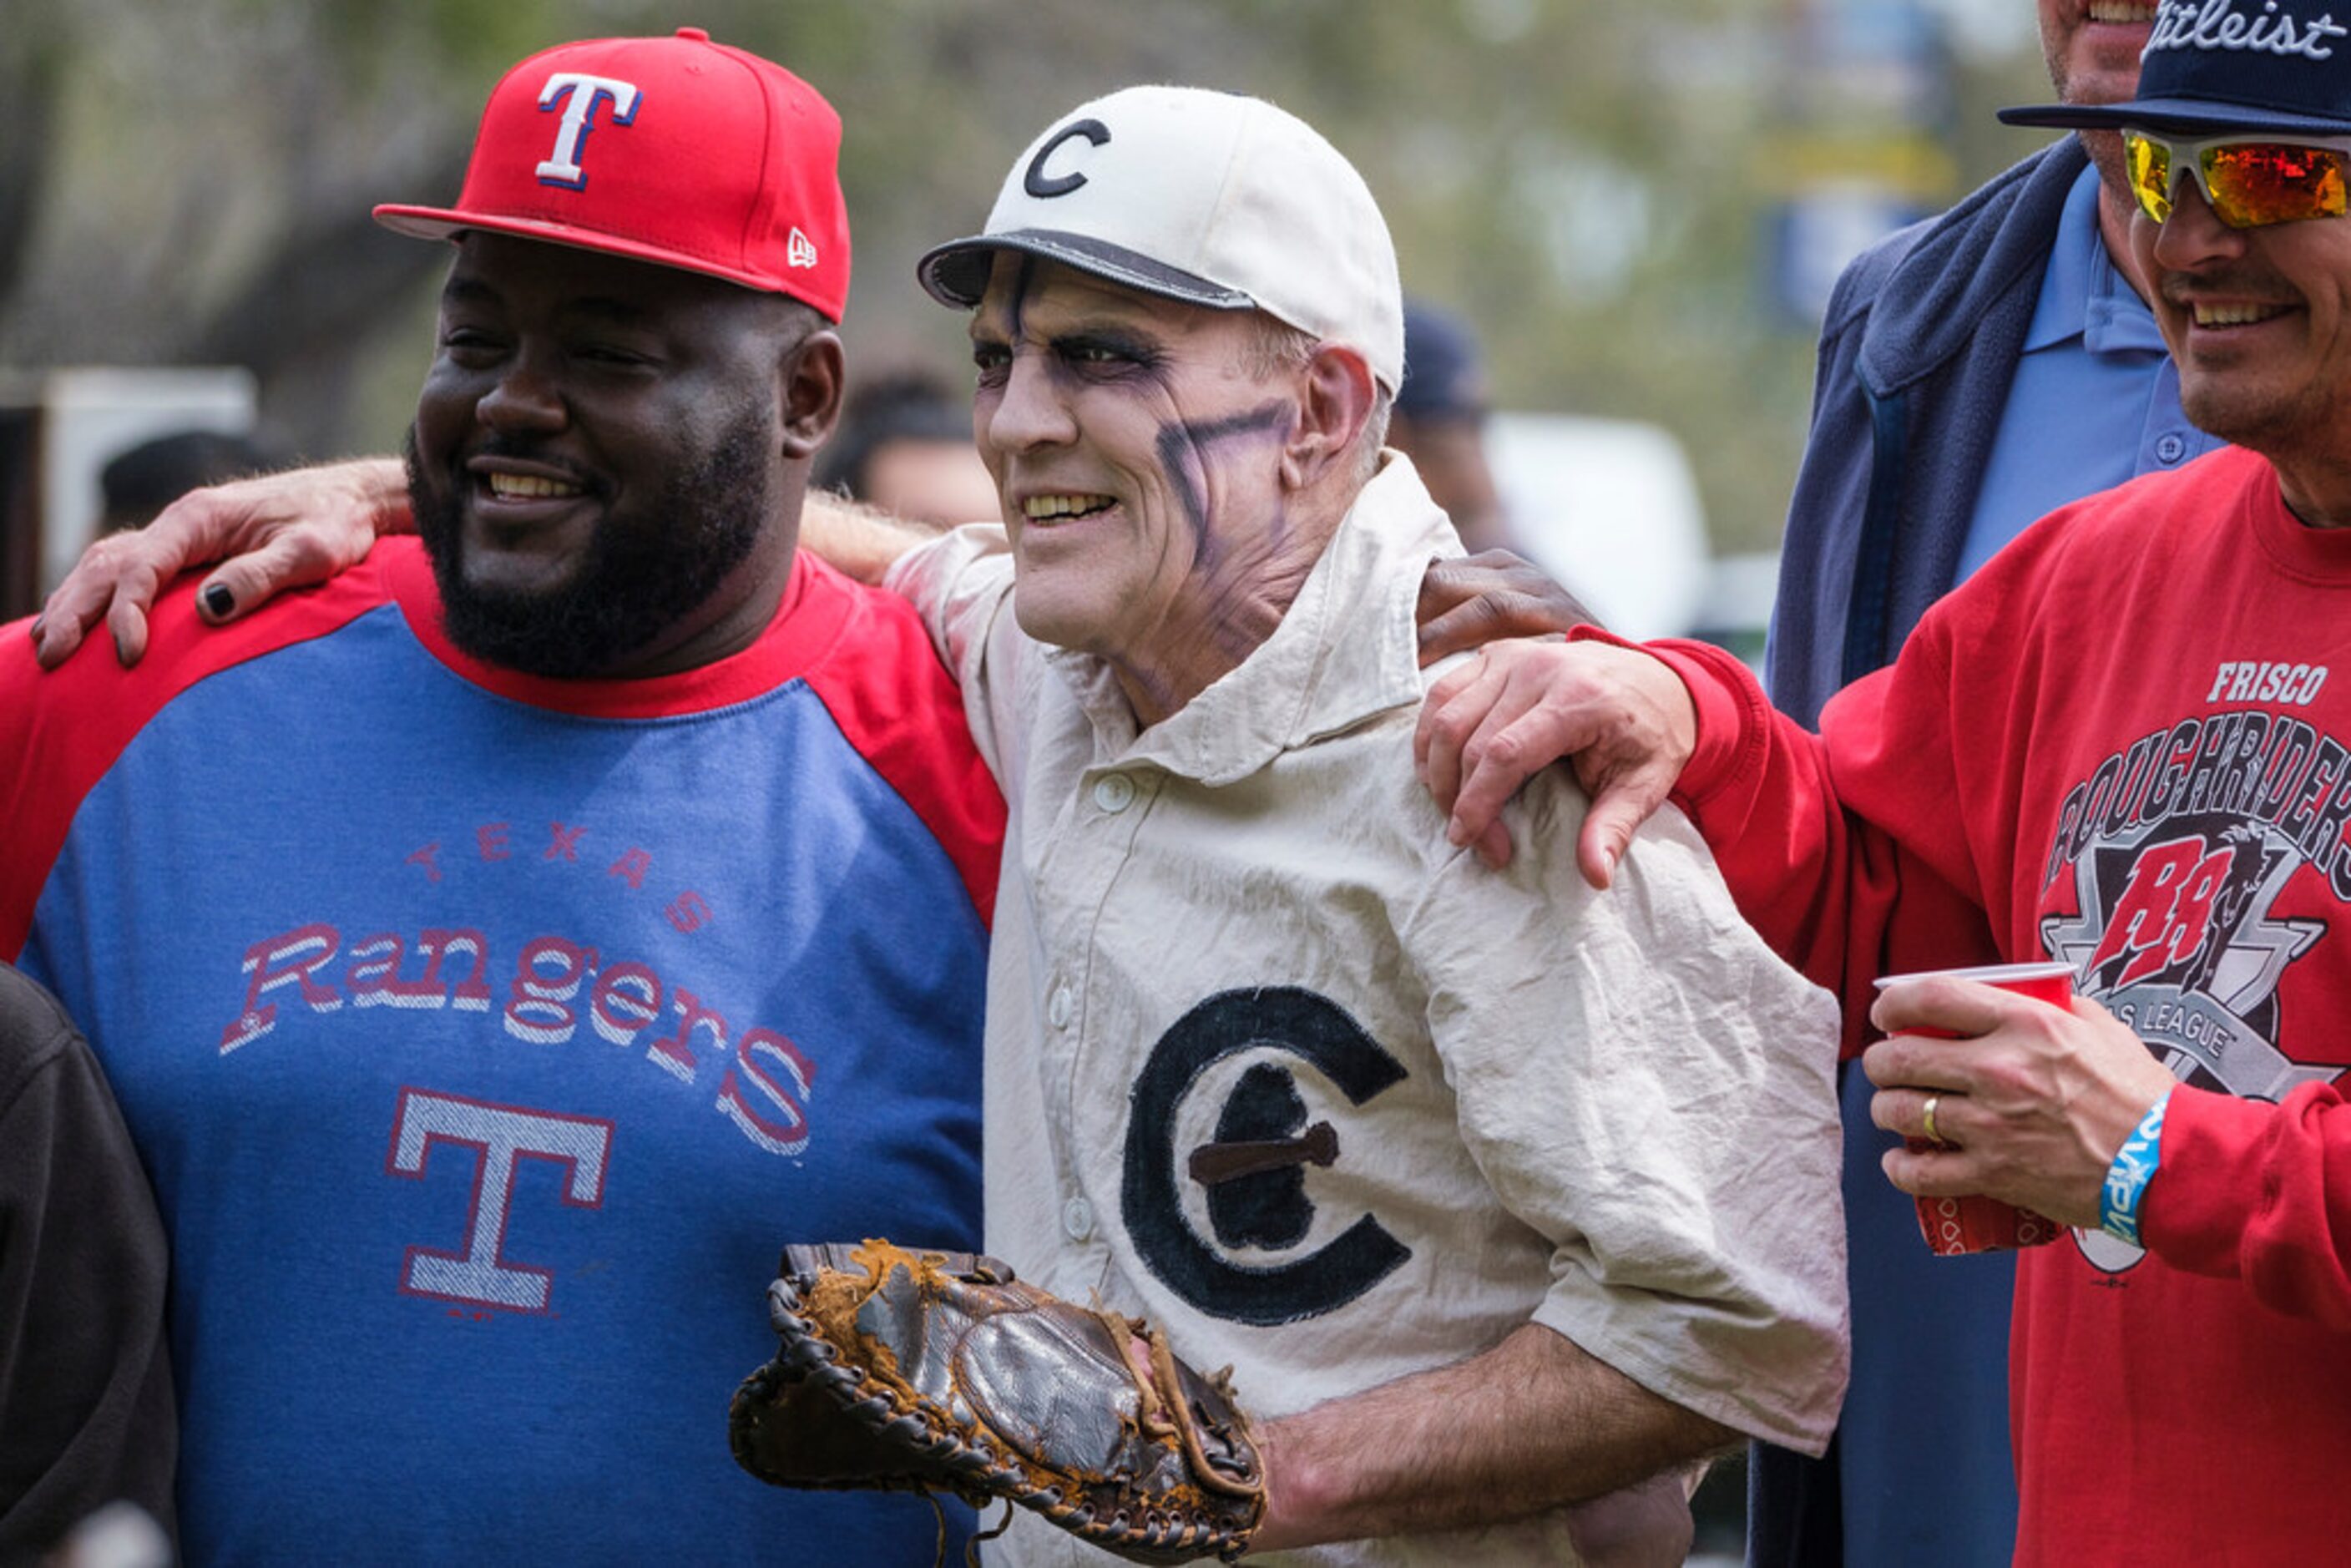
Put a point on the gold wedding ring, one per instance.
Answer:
(1927, 1115)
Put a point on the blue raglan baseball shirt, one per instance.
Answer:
(486, 1037)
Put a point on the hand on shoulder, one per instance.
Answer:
(271, 533)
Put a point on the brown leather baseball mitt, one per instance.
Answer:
(939, 1372)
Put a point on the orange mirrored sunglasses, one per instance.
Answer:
(2248, 179)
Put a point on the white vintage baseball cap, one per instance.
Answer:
(1206, 197)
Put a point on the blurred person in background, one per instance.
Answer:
(905, 447)
(142, 479)
(1977, 371)
(1439, 422)
(87, 1418)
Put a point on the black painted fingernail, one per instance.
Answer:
(219, 600)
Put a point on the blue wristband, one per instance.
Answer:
(2135, 1165)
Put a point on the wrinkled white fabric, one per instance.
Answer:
(1611, 1113)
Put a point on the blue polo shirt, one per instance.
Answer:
(2094, 366)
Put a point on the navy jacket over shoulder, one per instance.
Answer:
(1918, 347)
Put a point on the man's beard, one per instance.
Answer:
(632, 588)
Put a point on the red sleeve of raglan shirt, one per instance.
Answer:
(899, 707)
(60, 731)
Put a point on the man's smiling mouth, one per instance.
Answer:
(1056, 509)
(2234, 315)
(530, 488)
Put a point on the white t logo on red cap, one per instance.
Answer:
(581, 94)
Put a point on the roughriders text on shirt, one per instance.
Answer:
(554, 987)
(2269, 769)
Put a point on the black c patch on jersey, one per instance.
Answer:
(1279, 1018)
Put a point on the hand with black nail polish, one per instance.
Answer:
(276, 532)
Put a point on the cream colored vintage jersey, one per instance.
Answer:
(1272, 1062)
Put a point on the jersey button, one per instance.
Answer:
(1078, 1218)
(1114, 793)
(1060, 1007)
(2170, 446)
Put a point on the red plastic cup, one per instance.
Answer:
(1978, 1224)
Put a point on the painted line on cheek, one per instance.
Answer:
(1199, 440)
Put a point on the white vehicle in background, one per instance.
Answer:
(1610, 508)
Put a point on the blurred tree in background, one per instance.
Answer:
(1598, 185)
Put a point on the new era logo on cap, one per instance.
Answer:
(677, 152)
(2221, 67)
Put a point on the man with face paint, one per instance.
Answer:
(1493, 1197)
(498, 949)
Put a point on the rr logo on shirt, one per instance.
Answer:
(1254, 1170)
(2175, 932)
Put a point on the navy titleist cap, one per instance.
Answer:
(2220, 67)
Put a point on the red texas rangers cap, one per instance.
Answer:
(678, 151)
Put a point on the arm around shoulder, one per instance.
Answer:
(270, 534)
(1620, 716)
(855, 539)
